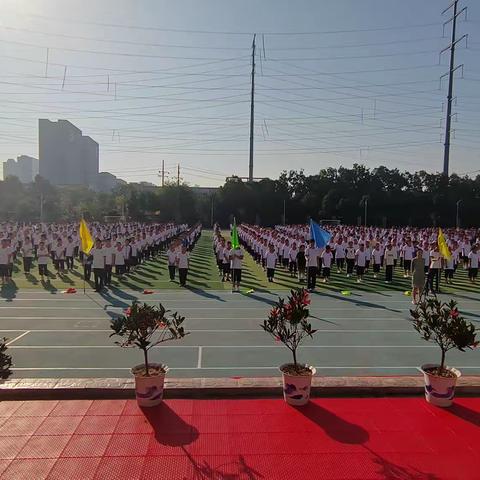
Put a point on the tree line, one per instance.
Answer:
(389, 197)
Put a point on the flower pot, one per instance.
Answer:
(296, 388)
(439, 391)
(149, 390)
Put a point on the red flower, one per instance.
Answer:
(128, 311)
(277, 339)
(454, 313)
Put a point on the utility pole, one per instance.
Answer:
(451, 47)
(178, 175)
(457, 218)
(41, 208)
(212, 209)
(163, 173)
(252, 112)
(366, 210)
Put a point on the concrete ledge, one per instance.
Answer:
(237, 387)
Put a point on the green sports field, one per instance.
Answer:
(203, 274)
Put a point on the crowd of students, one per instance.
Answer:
(118, 248)
(359, 250)
(229, 259)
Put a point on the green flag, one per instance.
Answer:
(234, 235)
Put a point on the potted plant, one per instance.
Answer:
(5, 360)
(441, 323)
(288, 323)
(145, 326)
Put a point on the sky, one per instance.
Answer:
(337, 83)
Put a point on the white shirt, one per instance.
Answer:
(119, 256)
(171, 257)
(312, 254)
(339, 250)
(109, 251)
(389, 257)
(69, 249)
(435, 259)
(43, 256)
(361, 257)
(271, 259)
(98, 257)
(182, 260)
(408, 252)
(473, 257)
(377, 257)
(236, 256)
(327, 259)
(4, 253)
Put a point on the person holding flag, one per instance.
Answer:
(86, 242)
(438, 255)
(236, 258)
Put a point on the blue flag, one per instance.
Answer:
(319, 235)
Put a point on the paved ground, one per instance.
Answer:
(61, 335)
(362, 439)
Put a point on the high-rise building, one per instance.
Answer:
(66, 156)
(25, 168)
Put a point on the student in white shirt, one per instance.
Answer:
(69, 253)
(270, 262)
(360, 260)
(350, 258)
(236, 258)
(340, 254)
(5, 256)
(171, 261)
(27, 254)
(109, 252)
(292, 256)
(436, 262)
(313, 259)
(59, 256)
(389, 261)
(226, 262)
(98, 254)
(182, 264)
(377, 260)
(119, 260)
(473, 258)
(408, 251)
(327, 257)
(43, 257)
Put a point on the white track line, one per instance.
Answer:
(47, 347)
(199, 362)
(17, 338)
(200, 330)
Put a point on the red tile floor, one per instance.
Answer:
(363, 438)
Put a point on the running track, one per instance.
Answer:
(67, 336)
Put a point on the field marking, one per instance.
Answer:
(46, 347)
(197, 330)
(199, 362)
(17, 338)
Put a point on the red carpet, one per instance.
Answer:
(399, 438)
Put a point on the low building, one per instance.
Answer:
(25, 168)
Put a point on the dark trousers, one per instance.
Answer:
(108, 274)
(312, 277)
(350, 265)
(119, 269)
(99, 277)
(27, 264)
(388, 273)
(433, 277)
(69, 261)
(182, 274)
(171, 272)
(42, 270)
(87, 271)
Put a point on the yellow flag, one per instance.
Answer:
(85, 237)
(442, 245)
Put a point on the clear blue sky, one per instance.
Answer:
(338, 82)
